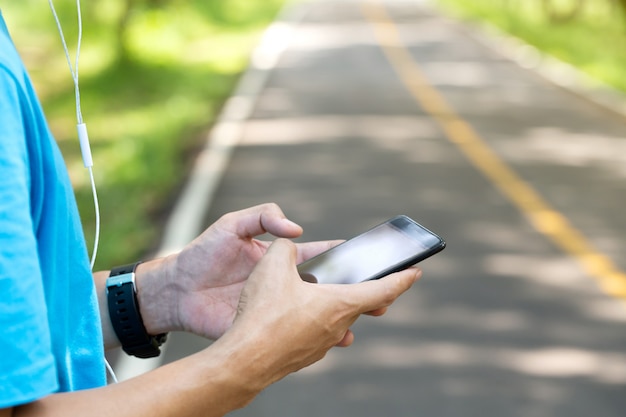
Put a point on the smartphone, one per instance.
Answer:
(389, 247)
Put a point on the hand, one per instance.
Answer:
(291, 323)
(199, 288)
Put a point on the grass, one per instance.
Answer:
(593, 41)
(150, 90)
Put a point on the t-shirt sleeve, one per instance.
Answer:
(27, 366)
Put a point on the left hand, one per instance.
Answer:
(198, 289)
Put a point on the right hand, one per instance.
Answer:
(293, 323)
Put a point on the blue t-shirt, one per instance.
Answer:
(50, 335)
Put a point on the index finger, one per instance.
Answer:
(257, 220)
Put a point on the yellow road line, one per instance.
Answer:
(542, 216)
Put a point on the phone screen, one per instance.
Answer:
(388, 247)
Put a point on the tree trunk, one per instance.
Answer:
(563, 16)
(123, 53)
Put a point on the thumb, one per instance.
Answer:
(270, 275)
(378, 294)
(279, 260)
(283, 249)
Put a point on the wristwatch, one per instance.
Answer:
(125, 316)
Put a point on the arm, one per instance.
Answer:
(305, 321)
(210, 383)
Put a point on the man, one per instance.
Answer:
(56, 318)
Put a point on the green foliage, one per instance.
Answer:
(153, 74)
(589, 35)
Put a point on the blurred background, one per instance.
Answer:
(154, 74)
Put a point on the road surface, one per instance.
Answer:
(384, 108)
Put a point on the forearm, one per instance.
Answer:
(210, 383)
(110, 339)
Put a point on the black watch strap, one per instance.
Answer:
(125, 316)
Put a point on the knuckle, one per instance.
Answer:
(270, 206)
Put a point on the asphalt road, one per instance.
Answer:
(376, 111)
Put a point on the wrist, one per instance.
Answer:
(250, 366)
(256, 358)
(157, 295)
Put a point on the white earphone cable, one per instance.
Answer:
(82, 133)
(97, 211)
(74, 69)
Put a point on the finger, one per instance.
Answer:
(270, 275)
(264, 218)
(279, 259)
(377, 294)
(347, 340)
(274, 221)
(377, 313)
(310, 249)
